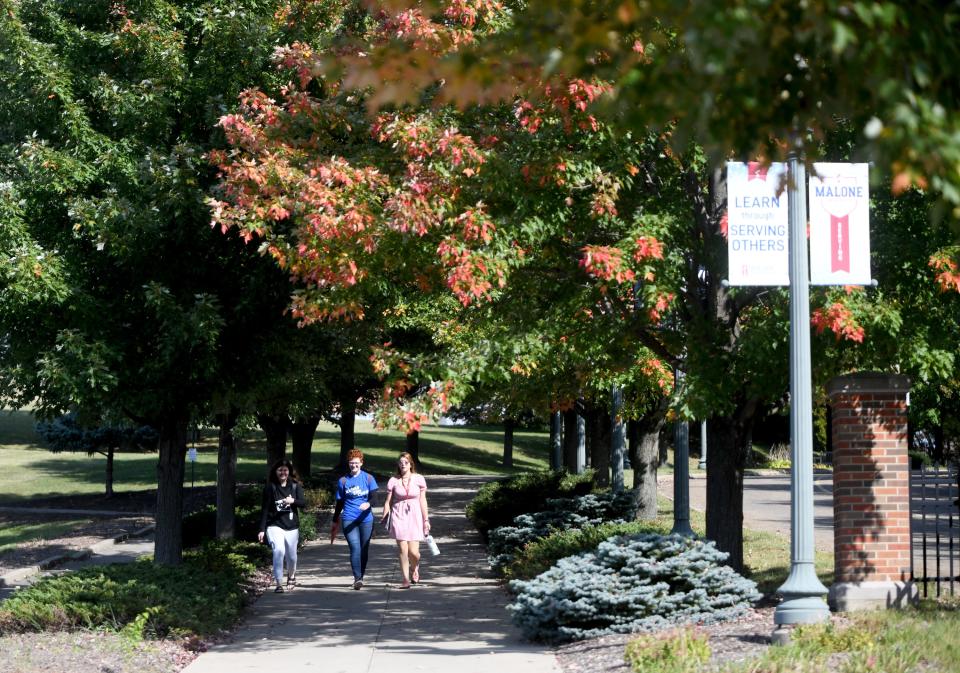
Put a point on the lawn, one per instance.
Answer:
(11, 536)
(28, 469)
(766, 555)
(443, 450)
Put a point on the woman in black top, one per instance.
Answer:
(280, 521)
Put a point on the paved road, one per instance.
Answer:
(766, 504)
(453, 622)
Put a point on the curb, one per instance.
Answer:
(18, 576)
(748, 472)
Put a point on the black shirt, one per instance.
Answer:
(278, 513)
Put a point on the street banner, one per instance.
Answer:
(757, 231)
(839, 224)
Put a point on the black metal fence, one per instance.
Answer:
(935, 530)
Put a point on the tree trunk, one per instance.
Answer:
(645, 458)
(663, 445)
(275, 428)
(109, 485)
(508, 442)
(939, 454)
(600, 446)
(413, 445)
(171, 464)
(570, 442)
(226, 476)
(348, 420)
(729, 443)
(302, 432)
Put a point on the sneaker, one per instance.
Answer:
(358, 584)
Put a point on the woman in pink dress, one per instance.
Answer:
(406, 506)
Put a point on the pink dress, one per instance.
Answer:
(406, 517)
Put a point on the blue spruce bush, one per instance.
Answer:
(631, 583)
(560, 514)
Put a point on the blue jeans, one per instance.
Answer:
(358, 533)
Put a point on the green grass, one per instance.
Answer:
(11, 536)
(885, 641)
(765, 555)
(443, 450)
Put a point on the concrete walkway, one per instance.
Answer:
(122, 549)
(454, 621)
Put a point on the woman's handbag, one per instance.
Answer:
(432, 545)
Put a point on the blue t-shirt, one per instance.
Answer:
(354, 491)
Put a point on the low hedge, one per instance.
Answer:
(631, 583)
(497, 503)
(202, 596)
(541, 554)
(558, 514)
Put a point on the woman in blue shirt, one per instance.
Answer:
(354, 514)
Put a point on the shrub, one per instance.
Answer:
(675, 651)
(560, 514)
(539, 555)
(635, 583)
(141, 598)
(499, 502)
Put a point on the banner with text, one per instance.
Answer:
(839, 224)
(757, 231)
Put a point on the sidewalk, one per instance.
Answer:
(453, 621)
(121, 549)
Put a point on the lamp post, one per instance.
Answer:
(581, 444)
(702, 465)
(556, 450)
(617, 438)
(802, 592)
(681, 480)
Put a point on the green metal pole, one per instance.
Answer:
(803, 592)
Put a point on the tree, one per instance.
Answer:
(619, 231)
(67, 434)
(106, 112)
(694, 67)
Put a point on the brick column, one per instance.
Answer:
(871, 492)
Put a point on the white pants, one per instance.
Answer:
(284, 544)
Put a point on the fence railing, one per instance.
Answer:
(935, 530)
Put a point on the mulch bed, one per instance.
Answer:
(730, 642)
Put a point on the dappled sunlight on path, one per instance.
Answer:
(454, 620)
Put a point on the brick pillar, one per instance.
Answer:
(871, 492)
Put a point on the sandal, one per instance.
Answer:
(278, 590)
(416, 575)
(291, 582)
(405, 585)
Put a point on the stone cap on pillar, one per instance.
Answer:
(868, 382)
